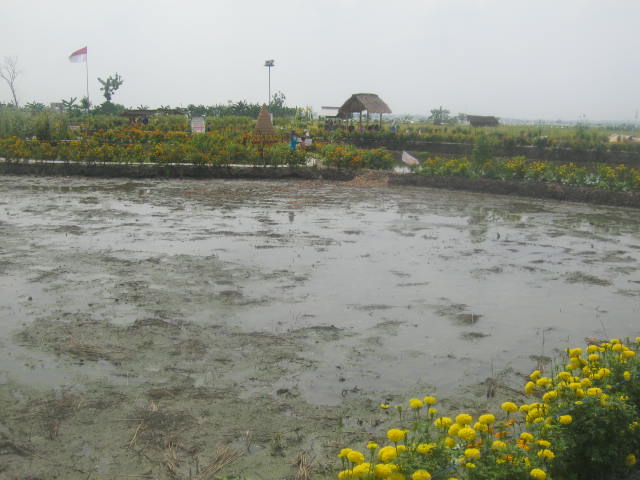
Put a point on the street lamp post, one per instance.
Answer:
(269, 64)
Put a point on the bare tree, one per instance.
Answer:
(9, 72)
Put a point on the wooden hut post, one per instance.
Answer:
(360, 120)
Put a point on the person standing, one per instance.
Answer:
(307, 140)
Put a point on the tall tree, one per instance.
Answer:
(110, 85)
(439, 116)
(9, 72)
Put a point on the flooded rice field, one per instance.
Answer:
(188, 329)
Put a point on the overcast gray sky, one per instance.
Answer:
(532, 59)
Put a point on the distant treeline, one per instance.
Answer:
(242, 108)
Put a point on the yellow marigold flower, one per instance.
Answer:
(594, 391)
(592, 349)
(498, 444)
(487, 418)
(384, 405)
(546, 453)
(631, 460)
(421, 475)
(575, 352)
(396, 476)
(467, 433)
(618, 347)
(543, 382)
(429, 400)
(401, 448)
(579, 393)
(432, 411)
(605, 372)
(535, 375)
(544, 443)
(372, 446)
(345, 474)
(585, 383)
(594, 357)
(538, 474)
(565, 419)
(361, 470)
(627, 375)
(355, 457)
(509, 407)
(628, 354)
(443, 422)
(382, 471)
(449, 442)
(386, 454)
(471, 453)
(470, 465)
(530, 387)
(453, 430)
(637, 339)
(344, 452)
(524, 408)
(526, 436)
(481, 427)
(425, 448)
(564, 376)
(415, 403)
(550, 396)
(396, 435)
(464, 419)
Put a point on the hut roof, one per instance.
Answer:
(482, 120)
(264, 125)
(360, 102)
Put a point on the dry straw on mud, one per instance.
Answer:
(370, 178)
(223, 457)
(86, 350)
(303, 466)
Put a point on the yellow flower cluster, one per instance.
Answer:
(520, 438)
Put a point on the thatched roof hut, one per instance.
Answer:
(482, 121)
(360, 102)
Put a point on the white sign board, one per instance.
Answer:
(197, 125)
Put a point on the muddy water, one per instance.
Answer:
(144, 324)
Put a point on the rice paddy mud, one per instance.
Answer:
(237, 329)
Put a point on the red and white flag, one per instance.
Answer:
(79, 56)
(409, 159)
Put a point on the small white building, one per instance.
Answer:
(329, 112)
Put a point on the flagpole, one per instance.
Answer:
(87, 68)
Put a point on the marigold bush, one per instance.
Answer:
(583, 423)
(619, 177)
